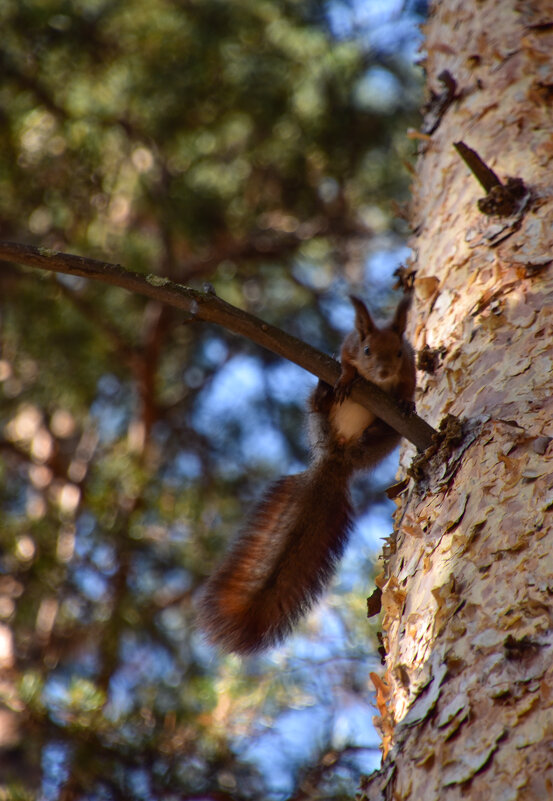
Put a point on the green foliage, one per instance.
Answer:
(202, 140)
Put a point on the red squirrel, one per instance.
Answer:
(288, 550)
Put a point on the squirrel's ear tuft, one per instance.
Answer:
(363, 321)
(399, 322)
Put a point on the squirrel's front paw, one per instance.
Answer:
(342, 390)
(407, 406)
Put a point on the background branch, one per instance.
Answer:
(207, 307)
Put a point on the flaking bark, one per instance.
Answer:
(467, 695)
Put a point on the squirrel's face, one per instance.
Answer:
(380, 357)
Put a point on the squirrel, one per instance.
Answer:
(288, 550)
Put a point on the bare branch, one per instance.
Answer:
(207, 307)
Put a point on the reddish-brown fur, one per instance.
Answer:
(288, 550)
(245, 608)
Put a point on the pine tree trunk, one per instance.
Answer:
(467, 697)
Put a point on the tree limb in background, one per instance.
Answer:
(207, 307)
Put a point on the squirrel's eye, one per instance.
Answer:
(366, 350)
(400, 353)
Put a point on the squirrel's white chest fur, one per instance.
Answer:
(349, 419)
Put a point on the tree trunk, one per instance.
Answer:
(466, 701)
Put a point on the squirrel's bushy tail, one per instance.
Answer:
(281, 561)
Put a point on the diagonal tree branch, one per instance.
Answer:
(207, 307)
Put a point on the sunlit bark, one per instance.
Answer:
(467, 696)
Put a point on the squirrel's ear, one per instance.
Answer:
(399, 322)
(363, 321)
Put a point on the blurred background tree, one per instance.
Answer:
(255, 145)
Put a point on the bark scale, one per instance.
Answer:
(466, 701)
